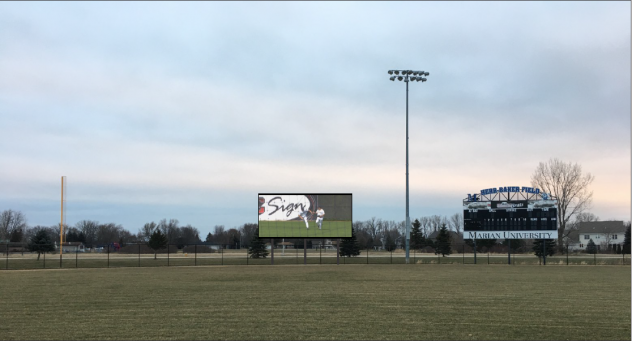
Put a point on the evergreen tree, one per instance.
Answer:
(209, 238)
(257, 247)
(349, 246)
(417, 239)
(442, 242)
(74, 235)
(41, 242)
(550, 247)
(626, 241)
(591, 248)
(157, 241)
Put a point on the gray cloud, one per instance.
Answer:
(147, 102)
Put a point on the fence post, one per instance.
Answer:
(167, 254)
(391, 256)
(414, 256)
(222, 251)
(108, 255)
(60, 255)
(463, 252)
(487, 257)
(367, 255)
(567, 255)
(246, 256)
(7, 265)
(77, 258)
(195, 254)
(44, 259)
(139, 255)
(595, 257)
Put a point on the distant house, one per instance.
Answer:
(605, 235)
(71, 247)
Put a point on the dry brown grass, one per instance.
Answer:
(318, 302)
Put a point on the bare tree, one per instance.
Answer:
(10, 223)
(89, 229)
(170, 229)
(456, 223)
(247, 232)
(566, 182)
(426, 229)
(189, 235)
(147, 230)
(219, 235)
(55, 231)
(108, 233)
(372, 228)
(233, 237)
(436, 222)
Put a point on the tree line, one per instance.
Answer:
(14, 229)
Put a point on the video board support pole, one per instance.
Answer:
(271, 251)
(509, 251)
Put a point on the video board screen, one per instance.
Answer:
(305, 215)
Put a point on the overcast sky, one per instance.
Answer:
(188, 110)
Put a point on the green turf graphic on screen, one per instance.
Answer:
(305, 215)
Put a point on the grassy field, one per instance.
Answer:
(319, 302)
(297, 229)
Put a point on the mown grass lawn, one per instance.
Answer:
(318, 302)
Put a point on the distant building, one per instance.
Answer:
(71, 247)
(605, 234)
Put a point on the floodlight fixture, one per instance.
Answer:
(396, 72)
(393, 78)
(400, 78)
(390, 72)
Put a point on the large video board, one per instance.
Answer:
(510, 212)
(305, 215)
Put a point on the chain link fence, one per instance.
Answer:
(18, 256)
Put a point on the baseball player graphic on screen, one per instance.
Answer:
(303, 215)
(320, 213)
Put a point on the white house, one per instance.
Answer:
(605, 235)
(71, 247)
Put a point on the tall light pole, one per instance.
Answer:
(407, 76)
